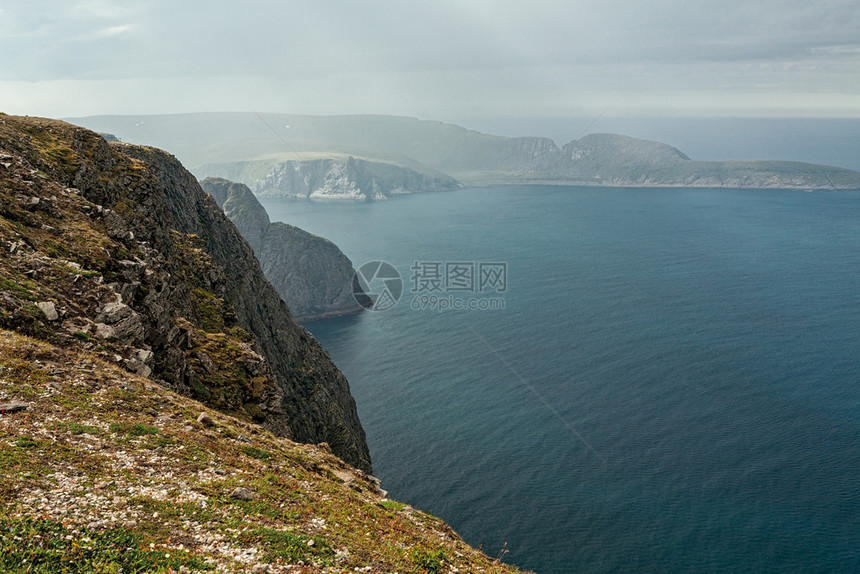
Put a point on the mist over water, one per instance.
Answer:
(671, 385)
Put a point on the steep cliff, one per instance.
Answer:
(310, 273)
(347, 179)
(351, 179)
(116, 249)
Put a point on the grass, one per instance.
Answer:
(257, 453)
(133, 430)
(288, 547)
(43, 546)
(428, 560)
(392, 505)
(95, 477)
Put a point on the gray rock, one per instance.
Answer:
(49, 309)
(104, 331)
(114, 312)
(13, 407)
(241, 493)
(205, 420)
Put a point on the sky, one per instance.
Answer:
(442, 59)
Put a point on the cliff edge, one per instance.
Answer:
(311, 273)
(115, 249)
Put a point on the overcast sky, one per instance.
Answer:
(439, 59)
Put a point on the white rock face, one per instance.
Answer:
(346, 180)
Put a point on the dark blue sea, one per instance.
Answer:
(673, 384)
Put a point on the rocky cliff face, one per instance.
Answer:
(353, 179)
(117, 249)
(310, 273)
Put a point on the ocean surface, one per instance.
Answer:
(672, 384)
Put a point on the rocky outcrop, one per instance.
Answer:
(142, 266)
(311, 274)
(352, 179)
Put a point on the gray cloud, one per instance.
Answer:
(443, 57)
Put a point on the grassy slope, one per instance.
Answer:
(108, 472)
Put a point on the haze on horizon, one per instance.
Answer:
(546, 67)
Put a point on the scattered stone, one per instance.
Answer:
(49, 309)
(12, 407)
(376, 485)
(205, 420)
(220, 472)
(104, 331)
(241, 493)
(345, 476)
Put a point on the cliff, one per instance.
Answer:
(115, 249)
(103, 471)
(352, 179)
(310, 273)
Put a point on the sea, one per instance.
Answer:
(612, 380)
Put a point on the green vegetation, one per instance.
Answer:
(43, 546)
(132, 430)
(257, 453)
(392, 505)
(427, 560)
(75, 497)
(288, 547)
